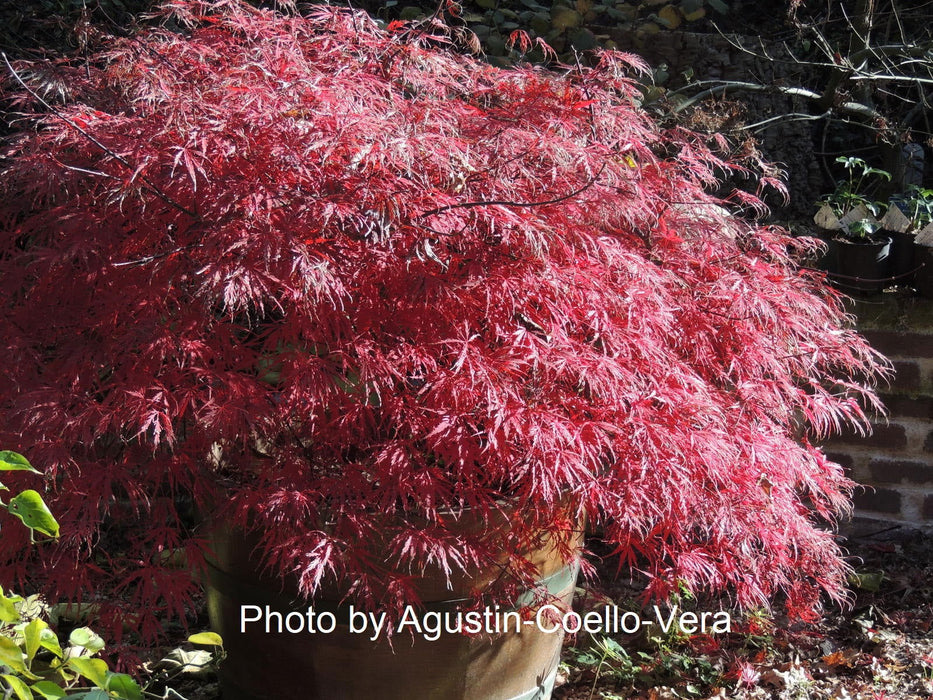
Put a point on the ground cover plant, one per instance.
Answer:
(343, 283)
(880, 648)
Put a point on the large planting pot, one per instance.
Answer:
(862, 267)
(902, 257)
(341, 664)
(923, 280)
(829, 260)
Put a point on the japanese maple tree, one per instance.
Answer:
(342, 282)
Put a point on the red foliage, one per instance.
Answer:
(345, 282)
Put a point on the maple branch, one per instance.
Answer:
(87, 171)
(155, 256)
(155, 189)
(506, 203)
(589, 97)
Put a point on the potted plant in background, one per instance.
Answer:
(911, 216)
(858, 249)
(399, 314)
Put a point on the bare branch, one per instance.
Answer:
(151, 258)
(893, 78)
(721, 87)
(894, 60)
(790, 117)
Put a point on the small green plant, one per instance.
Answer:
(863, 229)
(35, 665)
(757, 630)
(694, 673)
(917, 205)
(855, 192)
(698, 672)
(681, 598)
(861, 179)
(28, 505)
(675, 656)
(609, 661)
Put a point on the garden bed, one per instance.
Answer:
(879, 649)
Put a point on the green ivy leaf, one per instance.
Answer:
(15, 462)
(95, 670)
(87, 638)
(29, 507)
(21, 689)
(32, 637)
(123, 686)
(8, 611)
(49, 640)
(207, 639)
(11, 655)
(48, 690)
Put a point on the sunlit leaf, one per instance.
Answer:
(32, 637)
(123, 686)
(20, 689)
(29, 507)
(8, 610)
(87, 638)
(13, 461)
(94, 670)
(12, 655)
(206, 638)
(49, 640)
(48, 690)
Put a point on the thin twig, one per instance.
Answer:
(150, 258)
(505, 203)
(789, 117)
(722, 87)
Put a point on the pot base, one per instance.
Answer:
(279, 645)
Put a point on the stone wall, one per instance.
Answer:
(791, 144)
(895, 462)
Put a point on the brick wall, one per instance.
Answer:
(896, 461)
